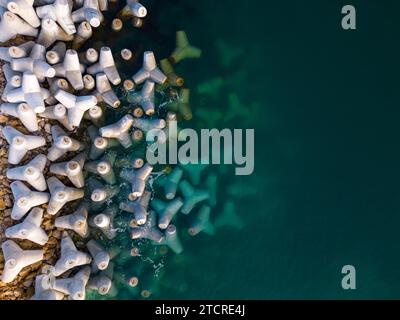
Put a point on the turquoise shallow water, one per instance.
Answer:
(325, 106)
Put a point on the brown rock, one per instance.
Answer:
(24, 273)
(47, 127)
(52, 242)
(7, 202)
(7, 213)
(47, 224)
(57, 234)
(31, 276)
(17, 293)
(3, 118)
(29, 292)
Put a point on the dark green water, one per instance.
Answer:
(324, 103)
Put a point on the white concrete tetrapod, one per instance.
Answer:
(39, 3)
(84, 33)
(104, 167)
(172, 240)
(134, 8)
(71, 69)
(11, 25)
(25, 199)
(73, 169)
(55, 85)
(23, 8)
(147, 124)
(184, 49)
(128, 86)
(149, 70)
(43, 288)
(101, 257)
(99, 143)
(149, 230)
(119, 130)
(20, 144)
(201, 222)
(13, 80)
(75, 286)
(89, 83)
(229, 216)
(76, 106)
(139, 180)
(131, 162)
(100, 193)
(32, 172)
(70, 256)
(104, 222)
(126, 54)
(15, 52)
(89, 56)
(62, 143)
(145, 97)
(51, 32)
(100, 283)
(95, 115)
(117, 24)
(29, 92)
(106, 64)
(60, 195)
(191, 196)
(138, 207)
(30, 228)
(22, 111)
(104, 88)
(172, 78)
(89, 12)
(61, 12)
(15, 259)
(76, 221)
(49, 295)
(172, 183)
(57, 53)
(57, 112)
(36, 63)
(103, 5)
(166, 211)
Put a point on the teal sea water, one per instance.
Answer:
(324, 104)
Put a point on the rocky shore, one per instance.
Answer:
(22, 287)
